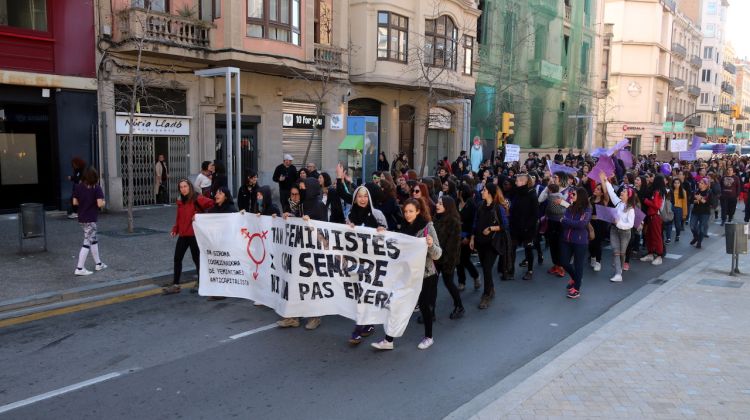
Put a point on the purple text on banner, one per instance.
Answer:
(606, 214)
(554, 168)
(605, 165)
(640, 216)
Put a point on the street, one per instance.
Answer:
(183, 357)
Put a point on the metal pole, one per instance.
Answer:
(228, 138)
(237, 131)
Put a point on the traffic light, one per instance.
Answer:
(508, 123)
(735, 111)
(500, 136)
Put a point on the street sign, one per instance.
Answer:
(679, 127)
(667, 128)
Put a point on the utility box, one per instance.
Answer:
(737, 237)
(31, 223)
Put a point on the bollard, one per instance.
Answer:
(31, 223)
(736, 242)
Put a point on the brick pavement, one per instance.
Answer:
(681, 352)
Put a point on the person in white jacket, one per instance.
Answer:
(619, 234)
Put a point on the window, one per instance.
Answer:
(710, 30)
(540, 42)
(708, 52)
(274, 19)
(706, 75)
(441, 37)
(585, 58)
(711, 8)
(155, 5)
(468, 54)
(393, 33)
(25, 14)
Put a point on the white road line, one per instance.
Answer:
(673, 256)
(61, 391)
(255, 331)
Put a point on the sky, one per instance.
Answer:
(737, 20)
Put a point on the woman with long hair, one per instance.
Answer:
(575, 239)
(421, 192)
(601, 228)
(88, 198)
(491, 219)
(654, 203)
(448, 227)
(701, 212)
(78, 165)
(619, 234)
(467, 209)
(331, 199)
(419, 224)
(383, 164)
(222, 202)
(678, 198)
(188, 204)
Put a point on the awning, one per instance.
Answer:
(352, 142)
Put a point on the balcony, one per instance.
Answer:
(726, 87)
(328, 58)
(163, 28)
(725, 109)
(568, 13)
(730, 68)
(676, 82)
(679, 49)
(675, 116)
(696, 61)
(694, 121)
(694, 91)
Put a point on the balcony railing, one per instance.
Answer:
(696, 61)
(675, 116)
(328, 57)
(676, 82)
(694, 91)
(165, 28)
(725, 109)
(694, 121)
(568, 13)
(730, 68)
(679, 49)
(726, 87)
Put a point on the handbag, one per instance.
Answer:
(665, 212)
(498, 237)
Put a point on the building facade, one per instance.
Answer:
(684, 71)
(742, 125)
(48, 113)
(311, 73)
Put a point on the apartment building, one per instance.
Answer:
(332, 80)
(640, 77)
(48, 110)
(684, 73)
(742, 124)
(727, 100)
(539, 61)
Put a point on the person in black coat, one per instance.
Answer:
(223, 200)
(523, 220)
(383, 163)
(247, 194)
(467, 209)
(264, 203)
(332, 200)
(286, 176)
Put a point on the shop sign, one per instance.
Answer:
(160, 125)
(337, 122)
(303, 121)
(626, 127)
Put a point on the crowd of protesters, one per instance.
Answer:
(492, 212)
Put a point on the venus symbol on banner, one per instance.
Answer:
(251, 252)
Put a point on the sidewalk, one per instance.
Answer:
(683, 351)
(147, 253)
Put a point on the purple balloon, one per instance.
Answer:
(666, 169)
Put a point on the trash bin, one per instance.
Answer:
(31, 223)
(737, 237)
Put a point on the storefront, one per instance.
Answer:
(439, 137)
(302, 133)
(41, 131)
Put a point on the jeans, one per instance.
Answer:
(466, 264)
(699, 226)
(620, 239)
(578, 252)
(183, 243)
(487, 257)
(728, 207)
(678, 224)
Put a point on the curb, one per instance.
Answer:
(24, 306)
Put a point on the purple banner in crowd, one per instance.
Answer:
(612, 150)
(604, 165)
(719, 149)
(626, 157)
(554, 167)
(691, 153)
(640, 216)
(601, 151)
(606, 214)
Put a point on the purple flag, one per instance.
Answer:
(605, 165)
(696, 143)
(640, 216)
(606, 214)
(690, 154)
(719, 149)
(612, 150)
(554, 167)
(601, 151)
(626, 157)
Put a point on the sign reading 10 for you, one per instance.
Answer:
(303, 121)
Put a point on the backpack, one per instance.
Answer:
(665, 212)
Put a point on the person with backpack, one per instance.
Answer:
(656, 205)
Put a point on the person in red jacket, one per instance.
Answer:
(654, 241)
(188, 204)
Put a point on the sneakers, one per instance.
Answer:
(647, 258)
(694, 241)
(529, 275)
(573, 294)
(312, 323)
(367, 330)
(616, 278)
(73, 216)
(592, 261)
(570, 284)
(484, 302)
(597, 266)
(677, 238)
(461, 287)
(383, 345)
(557, 270)
(457, 313)
(625, 266)
(355, 339)
(477, 285)
(656, 261)
(425, 343)
(101, 266)
(523, 263)
(170, 290)
(288, 323)
(82, 272)
(668, 241)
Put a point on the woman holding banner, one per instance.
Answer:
(624, 218)
(363, 213)
(419, 224)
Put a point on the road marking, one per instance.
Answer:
(673, 256)
(61, 391)
(251, 332)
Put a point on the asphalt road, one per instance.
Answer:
(172, 356)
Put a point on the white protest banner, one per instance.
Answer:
(307, 269)
(678, 145)
(512, 153)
